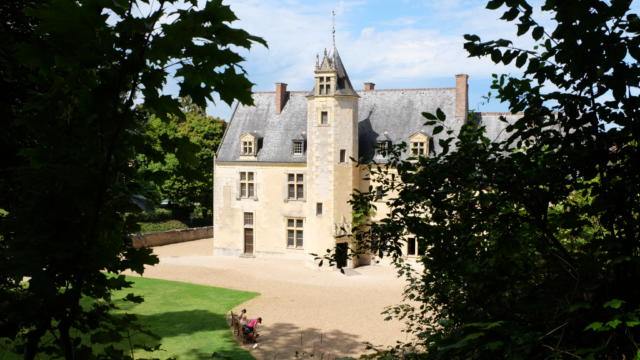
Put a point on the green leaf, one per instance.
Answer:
(614, 303)
(595, 326)
(537, 32)
(521, 60)
(496, 56)
(614, 323)
(494, 4)
(438, 129)
(429, 116)
(510, 14)
(440, 115)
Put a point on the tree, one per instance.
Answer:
(70, 130)
(532, 244)
(179, 165)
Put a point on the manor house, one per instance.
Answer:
(283, 173)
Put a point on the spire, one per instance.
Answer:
(331, 63)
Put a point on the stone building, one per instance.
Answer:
(283, 174)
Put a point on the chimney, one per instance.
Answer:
(462, 95)
(282, 95)
(368, 86)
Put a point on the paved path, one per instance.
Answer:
(303, 309)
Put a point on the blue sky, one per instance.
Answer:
(393, 43)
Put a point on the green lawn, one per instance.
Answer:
(189, 319)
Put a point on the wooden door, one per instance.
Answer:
(248, 241)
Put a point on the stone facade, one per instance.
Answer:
(290, 196)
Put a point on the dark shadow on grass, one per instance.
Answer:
(288, 341)
(181, 323)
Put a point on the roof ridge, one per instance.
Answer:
(419, 89)
(375, 90)
(498, 113)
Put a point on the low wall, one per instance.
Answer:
(171, 236)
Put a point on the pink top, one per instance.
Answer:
(252, 322)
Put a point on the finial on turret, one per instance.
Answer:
(333, 28)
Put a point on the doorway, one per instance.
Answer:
(248, 241)
(341, 254)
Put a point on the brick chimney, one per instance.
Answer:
(462, 95)
(368, 86)
(282, 95)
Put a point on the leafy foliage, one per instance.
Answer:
(69, 134)
(532, 243)
(178, 166)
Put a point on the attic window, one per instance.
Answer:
(298, 147)
(383, 147)
(418, 148)
(247, 147)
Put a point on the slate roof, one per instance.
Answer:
(383, 115)
(495, 128)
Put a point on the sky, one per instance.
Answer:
(396, 44)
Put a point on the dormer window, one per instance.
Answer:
(418, 144)
(247, 147)
(418, 148)
(383, 147)
(298, 147)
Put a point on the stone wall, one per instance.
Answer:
(171, 236)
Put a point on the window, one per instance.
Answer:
(412, 245)
(318, 209)
(248, 219)
(418, 148)
(294, 233)
(383, 148)
(343, 155)
(247, 148)
(295, 186)
(248, 233)
(247, 185)
(324, 118)
(298, 147)
(379, 194)
(324, 85)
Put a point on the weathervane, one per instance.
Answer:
(333, 28)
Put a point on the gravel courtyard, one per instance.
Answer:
(304, 310)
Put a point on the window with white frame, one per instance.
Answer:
(247, 147)
(295, 238)
(418, 148)
(247, 184)
(298, 147)
(295, 186)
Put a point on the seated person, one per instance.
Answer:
(241, 315)
(250, 326)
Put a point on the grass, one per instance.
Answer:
(189, 319)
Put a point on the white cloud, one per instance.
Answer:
(406, 51)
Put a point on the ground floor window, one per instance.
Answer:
(295, 238)
(412, 245)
